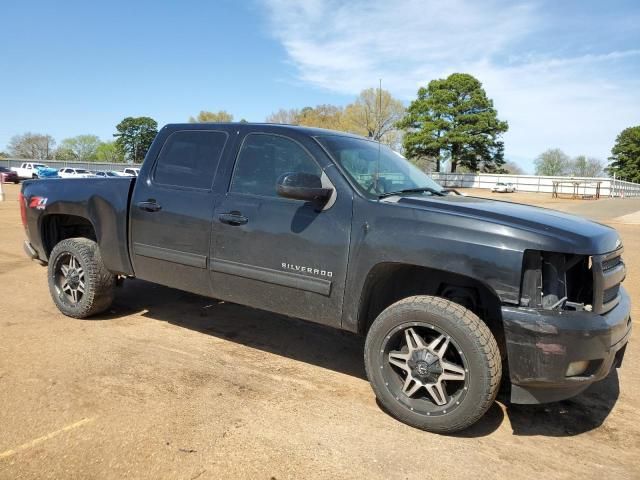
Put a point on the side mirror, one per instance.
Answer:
(303, 186)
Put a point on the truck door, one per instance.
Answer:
(275, 253)
(171, 210)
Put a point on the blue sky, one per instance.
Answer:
(564, 74)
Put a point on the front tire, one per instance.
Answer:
(79, 283)
(432, 364)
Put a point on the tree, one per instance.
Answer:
(552, 162)
(374, 114)
(135, 135)
(109, 152)
(453, 119)
(322, 116)
(205, 116)
(625, 155)
(82, 147)
(583, 166)
(34, 146)
(289, 117)
(4, 155)
(512, 167)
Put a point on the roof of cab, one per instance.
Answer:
(312, 131)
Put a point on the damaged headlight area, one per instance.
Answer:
(557, 281)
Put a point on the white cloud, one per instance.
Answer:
(578, 103)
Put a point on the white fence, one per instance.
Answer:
(581, 186)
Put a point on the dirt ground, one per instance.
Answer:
(173, 385)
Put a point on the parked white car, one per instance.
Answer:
(109, 174)
(74, 173)
(28, 170)
(501, 187)
(134, 172)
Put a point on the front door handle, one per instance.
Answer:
(233, 218)
(149, 206)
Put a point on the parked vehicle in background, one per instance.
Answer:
(337, 229)
(74, 173)
(108, 174)
(502, 187)
(134, 172)
(29, 170)
(8, 176)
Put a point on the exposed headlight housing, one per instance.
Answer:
(556, 281)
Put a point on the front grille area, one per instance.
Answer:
(611, 263)
(610, 294)
(608, 272)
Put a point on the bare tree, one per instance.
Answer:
(205, 116)
(290, 117)
(374, 114)
(512, 168)
(32, 145)
(552, 162)
(583, 166)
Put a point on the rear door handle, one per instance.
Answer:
(233, 218)
(149, 206)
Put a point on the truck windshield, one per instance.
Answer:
(375, 168)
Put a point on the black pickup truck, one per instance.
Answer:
(452, 292)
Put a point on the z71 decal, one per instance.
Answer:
(39, 203)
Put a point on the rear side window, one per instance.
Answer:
(264, 158)
(190, 159)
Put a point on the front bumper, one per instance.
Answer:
(542, 343)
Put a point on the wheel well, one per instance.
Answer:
(389, 282)
(56, 228)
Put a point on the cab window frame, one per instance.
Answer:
(156, 182)
(258, 195)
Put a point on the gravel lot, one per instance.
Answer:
(173, 385)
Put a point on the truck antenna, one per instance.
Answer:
(379, 122)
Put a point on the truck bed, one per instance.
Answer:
(103, 201)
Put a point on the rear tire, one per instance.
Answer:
(433, 364)
(79, 283)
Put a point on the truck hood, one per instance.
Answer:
(544, 228)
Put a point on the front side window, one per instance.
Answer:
(189, 159)
(263, 159)
(375, 168)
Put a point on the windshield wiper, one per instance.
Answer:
(433, 191)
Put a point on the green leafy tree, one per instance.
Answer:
(34, 146)
(109, 152)
(552, 162)
(625, 155)
(205, 116)
(583, 166)
(135, 135)
(453, 119)
(4, 155)
(82, 147)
